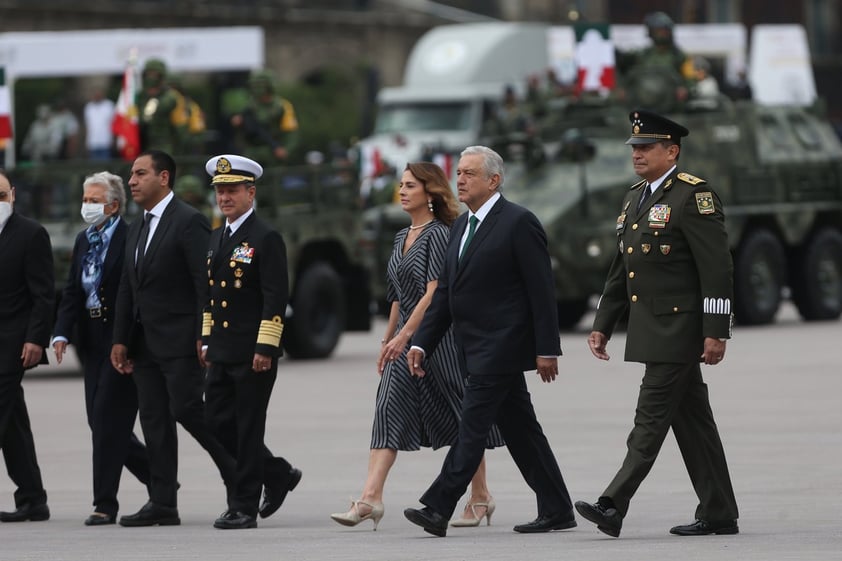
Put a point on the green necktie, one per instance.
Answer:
(471, 230)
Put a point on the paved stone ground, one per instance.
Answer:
(776, 399)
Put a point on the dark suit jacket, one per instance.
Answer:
(169, 294)
(27, 290)
(72, 309)
(248, 294)
(673, 272)
(500, 297)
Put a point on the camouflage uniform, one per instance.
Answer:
(163, 125)
(267, 126)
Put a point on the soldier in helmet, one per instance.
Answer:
(267, 129)
(190, 111)
(162, 124)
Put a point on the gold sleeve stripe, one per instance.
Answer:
(270, 332)
(206, 324)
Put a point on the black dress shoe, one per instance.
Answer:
(99, 519)
(235, 520)
(607, 519)
(706, 528)
(547, 523)
(274, 496)
(432, 522)
(152, 514)
(27, 511)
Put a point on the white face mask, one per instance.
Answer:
(5, 211)
(93, 213)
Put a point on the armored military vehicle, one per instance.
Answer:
(316, 208)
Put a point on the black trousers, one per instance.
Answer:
(236, 400)
(170, 391)
(17, 442)
(674, 395)
(111, 405)
(502, 399)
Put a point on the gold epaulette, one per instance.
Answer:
(206, 324)
(691, 179)
(270, 332)
(637, 185)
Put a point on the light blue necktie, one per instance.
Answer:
(471, 230)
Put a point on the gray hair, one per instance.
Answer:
(114, 189)
(492, 162)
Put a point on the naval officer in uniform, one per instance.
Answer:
(673, 274)
(242, 325)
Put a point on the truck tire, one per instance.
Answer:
(571, 312)
(817, 290)
(318, 317)
(759, 273)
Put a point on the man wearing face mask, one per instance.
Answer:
(26, 312)
(87, 305)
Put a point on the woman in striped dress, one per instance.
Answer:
(413, 412)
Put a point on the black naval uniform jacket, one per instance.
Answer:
(249, 290)
(673, 272)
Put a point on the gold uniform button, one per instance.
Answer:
(631, 274)
(630, 250)
(657, 234)
(212, 323)
(210, 282)
(675, 309)
(222, 284)
(224, 324)
(634, 297)
(211, 301)
(224, 304)
(634, 226)
(232, 264)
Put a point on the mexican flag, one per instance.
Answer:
(125, 125)
(594, 58)
(5, 107)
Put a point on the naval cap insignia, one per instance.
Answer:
(223, 165)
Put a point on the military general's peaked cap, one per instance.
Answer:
(648, 128)
(230, 169)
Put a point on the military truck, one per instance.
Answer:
(315, 207)
(777, 169)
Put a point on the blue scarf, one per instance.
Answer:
(92, 262)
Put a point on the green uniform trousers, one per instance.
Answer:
(674, 395)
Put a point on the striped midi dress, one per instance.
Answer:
(412, 412)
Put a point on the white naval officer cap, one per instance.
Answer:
(230, 169)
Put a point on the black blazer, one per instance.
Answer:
(27, 290)
(168, 297)
(248, 294)
(72, 311)
(500, 297)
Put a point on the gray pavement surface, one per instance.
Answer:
(775, 397)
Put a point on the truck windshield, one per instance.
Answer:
(423, 117)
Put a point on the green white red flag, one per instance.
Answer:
(5, 107)
(125, 125)
(594, 58)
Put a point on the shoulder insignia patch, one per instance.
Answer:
(704, 202)
(691, 179)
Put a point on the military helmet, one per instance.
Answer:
(659, 26)
(154, 72)
(261, 82)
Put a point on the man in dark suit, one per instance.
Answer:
(87, 308)
(26, 312)
(673, 275)
(242, 327)
(157, 331)
(497, 290)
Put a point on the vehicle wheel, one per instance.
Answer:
(318, 317)
(817, 290)
(570, 313)
(758, 278)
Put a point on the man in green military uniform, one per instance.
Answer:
(241, 336)
(163, 123)
(267, 129)
(673, 275)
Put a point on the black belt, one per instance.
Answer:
(95, 312)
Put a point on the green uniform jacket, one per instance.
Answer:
(249, 290)
(673, 272)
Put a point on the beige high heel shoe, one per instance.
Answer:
(353, 516)
(467, 522)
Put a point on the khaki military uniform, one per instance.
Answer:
(673, 274)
